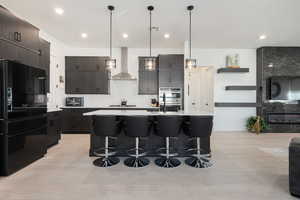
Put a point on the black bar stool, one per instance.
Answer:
(137, 127)
(167, 127)
(109, 127)
(197, 127)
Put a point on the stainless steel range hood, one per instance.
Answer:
(124, 75)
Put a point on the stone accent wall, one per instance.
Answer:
(285, 62)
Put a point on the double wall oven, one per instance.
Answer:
(170, 98)
(23, 115)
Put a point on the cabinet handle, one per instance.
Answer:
(20, 37)
(16, 36)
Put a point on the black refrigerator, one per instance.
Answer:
(23, 116)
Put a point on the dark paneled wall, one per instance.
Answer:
(276, 61)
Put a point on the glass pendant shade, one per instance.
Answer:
(150, 63)
(190, 63)
(110, 63)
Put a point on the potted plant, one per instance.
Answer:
(256, 124)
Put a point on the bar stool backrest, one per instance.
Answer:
(200, 126)
(137, 126)
(167, 126)
(106, 125)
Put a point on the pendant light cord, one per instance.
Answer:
(190, 34)
(150, 33)
(110, 35)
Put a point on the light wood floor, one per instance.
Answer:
(246, 166)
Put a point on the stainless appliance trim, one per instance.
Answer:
(173, 96)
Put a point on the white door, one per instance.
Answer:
(201, 89)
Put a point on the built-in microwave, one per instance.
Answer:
(75, 101)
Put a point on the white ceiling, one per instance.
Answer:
(216, 23)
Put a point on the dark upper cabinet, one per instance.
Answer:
(18, 30)
(86, 75)
(171, 71)
(9, 25)
(44, 59)
(148, 80)
(8, 51)
(28, 35)
(26, 57)
(19, 40)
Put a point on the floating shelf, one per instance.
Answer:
(233, 70)
(225, 104)
(240, 87)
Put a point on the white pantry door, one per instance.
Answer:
(201, 89)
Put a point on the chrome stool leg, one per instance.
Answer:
(106, 160)
(137, 160)
(167, 161)
(198, 160)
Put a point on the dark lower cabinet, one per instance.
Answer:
(74, 122)
(54, 128)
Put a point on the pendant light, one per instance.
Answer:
(110, 62)
(150, 62)
(189, 62)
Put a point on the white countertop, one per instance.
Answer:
(53, 109)
(112, 107)
(143, 112)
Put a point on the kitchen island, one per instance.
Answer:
(73, 121)
(153, 142)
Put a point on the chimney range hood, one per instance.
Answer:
(124, 75)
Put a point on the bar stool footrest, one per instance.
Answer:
(132, 153)
(106, 162)
(136, 162)
(198, 162)
(167, 162)
(162, 152)
(101, 152)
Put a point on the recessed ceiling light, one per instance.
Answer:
(84, 35)
(167, 35)
(59, 11)
(262, 37)
(125, 35)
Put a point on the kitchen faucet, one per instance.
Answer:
(164, 101)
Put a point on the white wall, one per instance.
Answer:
(229, 119)
(120, 89)
(226, 119)
(56, 97)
